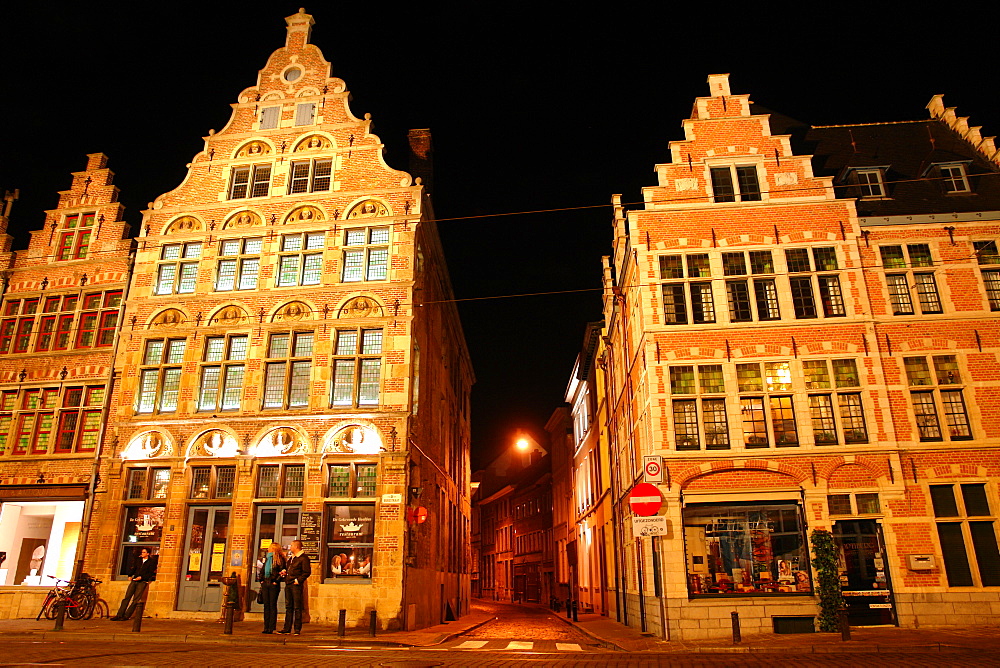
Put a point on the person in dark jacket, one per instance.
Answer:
(269, 576)
(143, 572)
(296, 571)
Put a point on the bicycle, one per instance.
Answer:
(80, 598)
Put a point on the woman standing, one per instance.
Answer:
(269, 576)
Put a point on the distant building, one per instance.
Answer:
(289, 365)
(808, 350)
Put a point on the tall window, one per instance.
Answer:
(74, 240)
(178, 268)
(357, 367)
(160, 375)
(699, 422)
(965, 520)
(15, 332)
(55, 326)
(250, 181)
(99, 320)
(223, 372)
(806, 267)
(350, 539)
(936, 392)
(735, 183)
(239, 264)
(148, 483)
(689, 301)
(289, 362)
(301, 259)
(51, 420)
(309, 176)
(986, 255)
(47, 323)
(367, 255)
(754, 298)
(766, 404)
(837, 416)
(923, 282)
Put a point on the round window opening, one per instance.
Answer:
(293, 74)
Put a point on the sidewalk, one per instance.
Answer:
(863, 639)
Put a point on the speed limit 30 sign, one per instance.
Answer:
(652, 468)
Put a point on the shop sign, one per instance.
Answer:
(146, 524)
(873, 592)
(352, 524)
(880, 605)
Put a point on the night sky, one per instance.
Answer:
(534, 107)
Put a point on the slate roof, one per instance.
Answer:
(909, 149)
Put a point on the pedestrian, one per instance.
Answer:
(143, 572)
(269, 576)
(295, 573)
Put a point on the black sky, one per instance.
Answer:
(533, 106)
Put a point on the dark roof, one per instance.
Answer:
(908, 149)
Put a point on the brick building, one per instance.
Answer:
(289, 364)
(808, 350)
(61, 309)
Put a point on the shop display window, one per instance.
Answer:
(350, 542)
(143, 529)
(746, 549)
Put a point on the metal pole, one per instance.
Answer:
(642, 584)
(737, 636)
(342, 623)
(658, 589)
(60, 614)
(372, 621)
(140, 610)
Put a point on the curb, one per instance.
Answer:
(603, 642)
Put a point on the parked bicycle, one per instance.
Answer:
(79, 597)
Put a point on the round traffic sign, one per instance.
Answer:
(653, 469)
(645, 499)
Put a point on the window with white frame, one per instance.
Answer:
(177, 271)
(581, 414)
(366, 257)
(835, 406)
(936, 393)
(766, 406)
(301, 259)
(250, 181)
(699, 421)
(966, 528)
(239, 264)
(223, 371)
(899, 283)
(309, 176)
(754, 298)
(687, 301)
(869, 182)
(288, 370)
(357, 367)
(808, 278)
(160, 375)
(953, 177)
(987, 255)
(735, 183)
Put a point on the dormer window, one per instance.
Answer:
(870, 184)
(735, 183)
(953, 178)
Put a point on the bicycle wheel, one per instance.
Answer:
(51, 607)
(76, 606)
(45, 607)
(89, 603)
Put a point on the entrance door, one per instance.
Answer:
(279, 524)
(864, 577)
(204, 559)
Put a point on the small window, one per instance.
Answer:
(953, 178)
(870, 184)
(352, 480)
(269, 117)
(305, 113)
(213, 482)
(284, 481)
(735, 183)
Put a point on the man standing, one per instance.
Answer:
(296, 572)
(143, 572)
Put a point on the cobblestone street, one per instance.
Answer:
(515, 622)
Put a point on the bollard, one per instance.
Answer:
(737, 636)
(140, 610)
(227, 629)
(845, 625)
(60, 614)
(569, 608)
(575, 610)
(371, 623)
(342, 623)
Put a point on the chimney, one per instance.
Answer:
(422, 157)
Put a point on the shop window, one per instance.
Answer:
(178, 270)
(735, 183)
(966, 528)
(222, 374)
(940, 396)
(350, 542)
(987, 254)
(143, 530)
(746, 549)
(160, 377)
(287, 371)
(239, 264)
(213, 482)
(309, 176)
(689, 301)
(74, 240)
(51, 420)
(148, 483)
(40, 539)
(357, 367)
(284, 481)
(367, 255)
(352, 480)
(301, 259)
(806, 288)
(250, 181)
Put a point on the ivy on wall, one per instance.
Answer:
(828, 579)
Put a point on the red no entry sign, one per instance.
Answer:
(645, 499)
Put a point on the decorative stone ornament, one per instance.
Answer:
(278, 443)
(148, 445)
(253, 149)
(293, 311)
(170, 318)
(184, 224)
(242, 219)
(355, 439)
(305, 214)
(214, 443)
(230, 316)
(361, 307)
(312, 143)
(369, 208)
